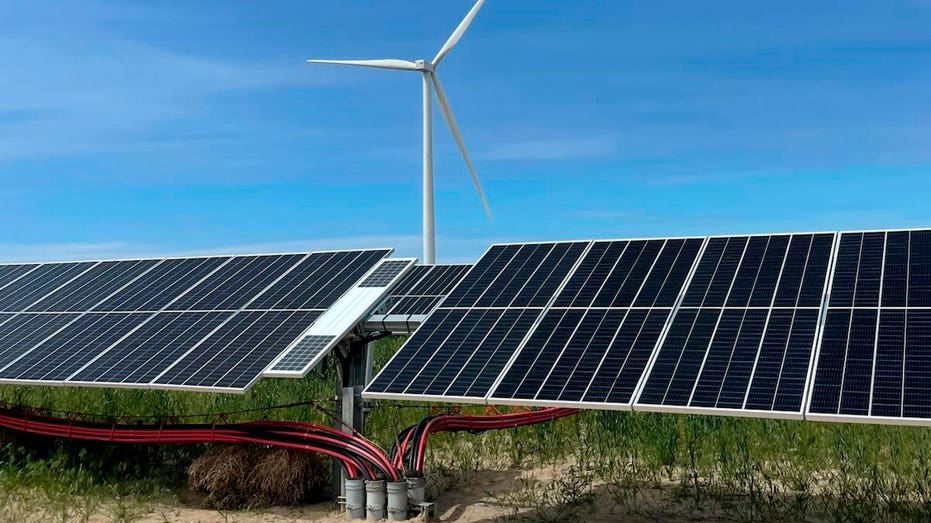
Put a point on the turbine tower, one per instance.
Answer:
(431, 83)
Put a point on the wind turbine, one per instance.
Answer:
(431, 83)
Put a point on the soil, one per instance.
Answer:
(481, 498)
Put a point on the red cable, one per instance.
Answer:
(376, 452)
(482, 423)
(188, 434)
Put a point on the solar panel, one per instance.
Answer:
(386, 273)
(234, 355)
(21, 332)
(742, 339)
(306, 349)
(318, 281)
(415, 297)
(462, 347)
(60, 355)
(147, 352)
(161, 285)
(185, 323)
(874, 360)
(235, 283)
(594, 343)
(11, 273)
(92, 286)
(38, 283)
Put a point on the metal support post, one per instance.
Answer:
(354, 363)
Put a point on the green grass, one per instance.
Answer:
(741, 469)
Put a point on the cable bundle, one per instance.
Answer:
(411, 443)
(359, 456)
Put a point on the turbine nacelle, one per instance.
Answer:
(423, 65)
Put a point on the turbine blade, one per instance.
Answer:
(457, 34)
(451, 121)
(388, 63)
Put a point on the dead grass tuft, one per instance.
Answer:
(236, 476)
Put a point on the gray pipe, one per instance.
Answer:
(375, 500)
(397, 501)
(417, 490)
(355, 499)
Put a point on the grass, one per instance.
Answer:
(621, 463)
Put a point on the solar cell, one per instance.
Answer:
(476, 346)
(235, 283)
(307, 349)
(441, 280)
(318, 281)
(11, 272)
(23, 331)
(524, 275)
(385, 273)
(144, 354)
(415, 297)
(414, 280)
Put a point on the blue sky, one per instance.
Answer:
(147, 128)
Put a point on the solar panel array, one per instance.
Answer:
(416, 296)
(720, 325)
(194, 323)
(823, 326)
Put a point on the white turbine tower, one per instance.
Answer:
(431, 82)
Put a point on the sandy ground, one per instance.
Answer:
(473, 497)
(482, 498)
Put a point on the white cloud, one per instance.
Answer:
(75, 93)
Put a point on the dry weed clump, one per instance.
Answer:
(236, 476)
(287, 477)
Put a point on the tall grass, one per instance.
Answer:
(622, 463)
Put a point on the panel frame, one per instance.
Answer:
(208, 254)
